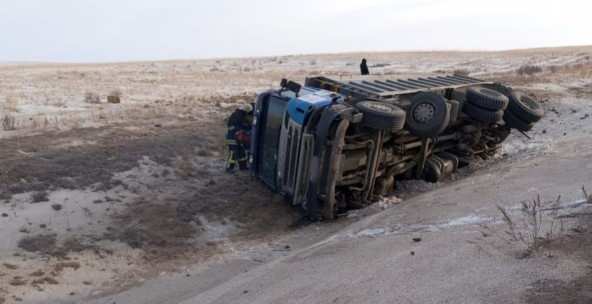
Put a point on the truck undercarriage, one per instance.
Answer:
(332, 145)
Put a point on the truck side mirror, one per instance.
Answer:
(290, 86)
(294, 87)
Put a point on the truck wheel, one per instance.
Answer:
(382, 116)
(487, 99)
(525, 108)
(428, 115)
(516, 123)
(481, 114)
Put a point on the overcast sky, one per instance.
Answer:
(120, 30)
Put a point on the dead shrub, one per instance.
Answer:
(587, 197)
(531, 228)
(11, 104)
(92, 98)
(40, 197)
(529, 70)
(461, 72)
(8, 123)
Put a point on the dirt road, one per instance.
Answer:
(445, 246)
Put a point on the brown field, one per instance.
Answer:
(102, 201)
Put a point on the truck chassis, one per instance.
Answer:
(332, 145)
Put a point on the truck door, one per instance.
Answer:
(268, 128)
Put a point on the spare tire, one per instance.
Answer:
(382, 116)
(525, 108)
(428, 115)
(481, 114)
(516, 123)
(487, 99)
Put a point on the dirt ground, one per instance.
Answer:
(97, 199)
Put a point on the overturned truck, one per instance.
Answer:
(331, 145)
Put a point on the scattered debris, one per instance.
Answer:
(372, 232)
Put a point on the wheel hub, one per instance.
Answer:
(424, 113)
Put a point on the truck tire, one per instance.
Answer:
(428, 115)
(487, 99)
(514, 122)
(382, 116)
(525, 108)
(481, 114)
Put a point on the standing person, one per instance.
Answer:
(364, 67)
(238, 138)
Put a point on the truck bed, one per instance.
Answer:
(386, 89)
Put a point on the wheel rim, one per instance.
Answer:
(424, 113)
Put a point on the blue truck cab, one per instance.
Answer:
(333, 145)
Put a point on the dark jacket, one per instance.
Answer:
(238, 121)
(364, 67)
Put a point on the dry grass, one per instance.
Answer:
(92, 98)
(531, 227)
(529, 70)
(11, 104)
(587, 197)
(536, 222)
(8, 123)
(461, 72)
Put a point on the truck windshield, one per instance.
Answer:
(270, 128)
